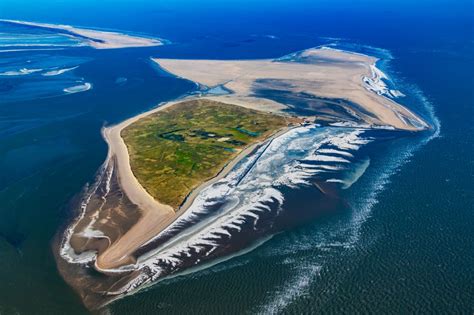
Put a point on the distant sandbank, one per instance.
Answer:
(96, 38)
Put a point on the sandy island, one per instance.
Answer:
(340, 75)
(318, 75)
(95, 38)
(155, 215)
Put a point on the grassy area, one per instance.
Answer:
(175, 150)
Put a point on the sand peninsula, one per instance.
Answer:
(241, 105)
(322, 78)
(95, 38)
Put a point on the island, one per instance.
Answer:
(160, 161)
(167, 157)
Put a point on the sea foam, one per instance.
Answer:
(78, 88)
(58, 71)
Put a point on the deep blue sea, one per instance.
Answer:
(404, 244)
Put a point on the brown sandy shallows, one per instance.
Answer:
(323, 73)
(95, 38)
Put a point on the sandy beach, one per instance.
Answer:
(155, 215)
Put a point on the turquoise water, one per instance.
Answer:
(403, 245)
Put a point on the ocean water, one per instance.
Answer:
(404, 242)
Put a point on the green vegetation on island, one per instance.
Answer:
(178, 148)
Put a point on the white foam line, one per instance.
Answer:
(196, 269)
(293, 288)
(328, 158)
(322, 239)
(377, 85)
(335, 180)
(332, 151)
(325, 167)
(226, 220)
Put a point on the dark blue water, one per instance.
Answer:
(404, 246)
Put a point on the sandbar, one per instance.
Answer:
(317, 72)
(95, 38)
